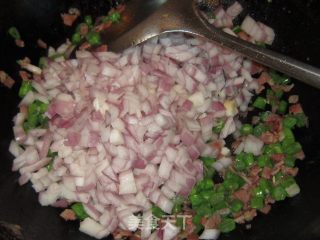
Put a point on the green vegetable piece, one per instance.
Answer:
(207, 161)
(293, 148)
(260, 103)
(231, 184)
(14, 33)
(302, 120)
(218, 126)
(265, 186)
(220, 205)
(35, 115)
(289, 122)
(232, 176)
(50, 166)
(236, 206)
(78, 209)
(197, 219)
(264, 161)
(259, 129)
(240, 164)
(156, 211)
(272, 148)
(204, 210)
(88, 20)
(278, 193)
(216, 198)
(227, 225)
(177, 205)
(209, 172)
(93, 38)
(257, 192)
(289, 161)
(278, 177)
(257, 202)
(236, 29)
(52, 154)
(283, 106)
(278, 79)
(246, 129)
(115, 17)
(249, 159)
(278, 93)
(26, 86)
(207, 184)
(288, 135)
(264, 116)
(288, 181)
(195, 200)
(206, 195)
(76, 38)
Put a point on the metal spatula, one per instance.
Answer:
(184, 16)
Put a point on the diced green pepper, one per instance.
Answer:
(76, 38)
(288, 135)
(50, 165)
(93, 38)
(246, 129)
(115, 17)
(283, 106)
(265, 186)
(217, 197)
(88, 20)
(195, 200)
(289, 161)
(26, 86)
(264, 161)
(236, 206)
(14, 33)
(227, 225)
(218, 126)
(257, 192)
(78, 209)
(207, 161)
(259, 129)
(257, 202)
(302, 119)
(156, 211)
(293, 148)
(289, 122)
(278, 79)
(260, 103)
(249, 159)
(236, 29)
(278, 193)
(264, 116)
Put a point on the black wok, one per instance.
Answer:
(296, 23)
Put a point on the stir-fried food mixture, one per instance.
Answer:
(178, 138)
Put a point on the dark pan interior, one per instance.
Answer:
(296, 23)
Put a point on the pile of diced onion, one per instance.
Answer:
(129, 128)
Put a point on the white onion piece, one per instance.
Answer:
(210, 234)
(253, 145)
(127, 183)
(92, 228)
(170, 231)
(15, 149)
